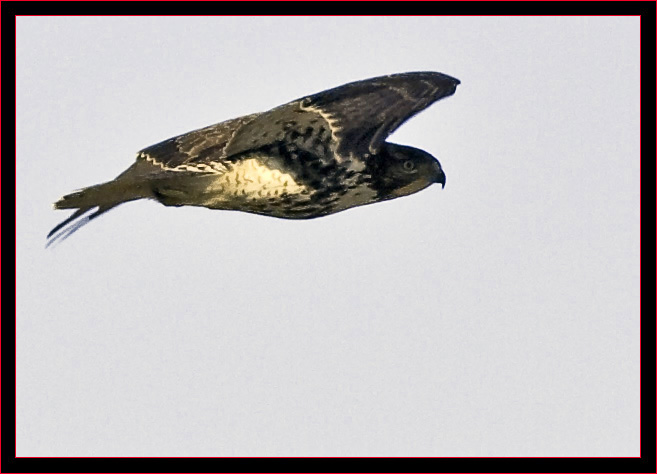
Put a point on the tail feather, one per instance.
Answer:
(77, 220)
(114, 192)
(101, 196)
(73, 216)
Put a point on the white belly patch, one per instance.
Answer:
(249, 180)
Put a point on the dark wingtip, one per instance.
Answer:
(446, 84)
(436, 76)
(454, 80)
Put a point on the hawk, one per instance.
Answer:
(311, 157)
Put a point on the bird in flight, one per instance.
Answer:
(311, 157)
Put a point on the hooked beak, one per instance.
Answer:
(440, 177)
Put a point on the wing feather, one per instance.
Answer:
(198, 149)
(352, 121)
(365, 113)
(359, 115)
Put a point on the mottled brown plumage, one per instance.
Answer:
(311, 157)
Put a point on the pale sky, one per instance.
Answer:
(496, 317)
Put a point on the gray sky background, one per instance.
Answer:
(496, 317)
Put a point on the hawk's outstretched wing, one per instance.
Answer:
(353, 120)
(358, 116)
(364, 113)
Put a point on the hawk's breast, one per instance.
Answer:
(251, 184)
(258, 183)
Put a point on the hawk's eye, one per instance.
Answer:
(408, 165)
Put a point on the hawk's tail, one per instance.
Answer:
(101, 197)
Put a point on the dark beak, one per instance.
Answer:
(440, 177)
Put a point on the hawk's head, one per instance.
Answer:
(403, 170)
